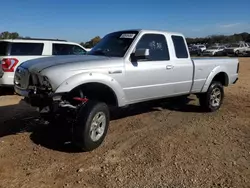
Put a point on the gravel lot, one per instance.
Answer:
(159, 145)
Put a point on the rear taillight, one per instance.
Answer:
(8, 64)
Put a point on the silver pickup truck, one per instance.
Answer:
(124, 68)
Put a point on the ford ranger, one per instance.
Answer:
(124, 68)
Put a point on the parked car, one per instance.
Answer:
(214, 51)
(124, 68)
(202, 47)
(236, 49)
(247, 52)
(13, 52)
(195, 51)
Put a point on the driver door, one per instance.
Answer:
(149, 78)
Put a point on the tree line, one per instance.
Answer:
(209, 39)
(224, 39)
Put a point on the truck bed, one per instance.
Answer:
(203, 67)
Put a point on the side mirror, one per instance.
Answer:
(141, 53)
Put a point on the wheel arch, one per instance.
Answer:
(97, 80)
(96, 91)
(218, 74)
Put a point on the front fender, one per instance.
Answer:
(211, 76)
(84, 78)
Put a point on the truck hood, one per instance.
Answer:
(39, 64)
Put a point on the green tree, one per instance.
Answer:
(220, 39)
(9, 35)
(14, 35)
(91, 43)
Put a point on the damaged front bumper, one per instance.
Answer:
(38, 98)
(50, 103)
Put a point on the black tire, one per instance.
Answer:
(82, 128)
(237, 53)
(205, 99)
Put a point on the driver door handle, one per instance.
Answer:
(168, 67)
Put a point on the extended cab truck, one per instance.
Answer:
(124, 68)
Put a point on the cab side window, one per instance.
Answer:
(180, 47)
(157, 45)
(67, 49)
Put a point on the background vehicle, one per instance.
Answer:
(202, 47)
(15, 51)
(247, 52)
(214, 51)
(236, 49)
(124, 68)
(195, 51)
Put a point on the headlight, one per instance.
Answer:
(46, 82)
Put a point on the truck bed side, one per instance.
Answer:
(207, 68)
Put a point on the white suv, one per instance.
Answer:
(13, 52)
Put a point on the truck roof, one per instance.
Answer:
(151, 31)
(31, 40)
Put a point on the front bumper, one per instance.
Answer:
(22, 92)
(34, 99)
(38, 99)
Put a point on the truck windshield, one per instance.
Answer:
(114, 44)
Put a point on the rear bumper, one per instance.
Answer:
(235, 80)
(7, 79)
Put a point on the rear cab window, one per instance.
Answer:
(67, 49)
(179, 46)
(26, 49)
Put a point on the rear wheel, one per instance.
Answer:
(91, 125)
(213, 98)
(237, 53)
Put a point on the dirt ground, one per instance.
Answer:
(160, 145)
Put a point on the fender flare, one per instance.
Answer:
(214, 72)
(84, 78)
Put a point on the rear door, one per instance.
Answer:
(183, 66)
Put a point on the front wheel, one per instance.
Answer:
(91, 125)
(237, 53)
(213, 98)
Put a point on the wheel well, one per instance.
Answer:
(96, 91)
(222, 78)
